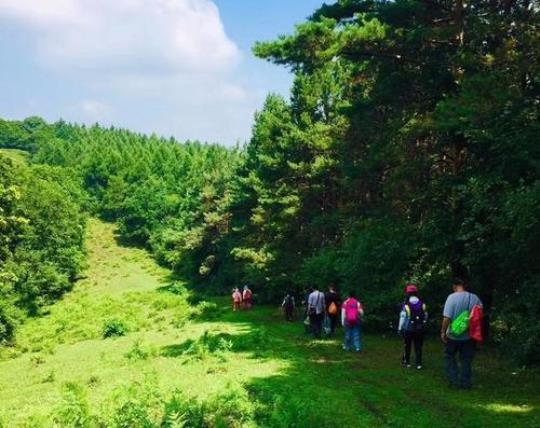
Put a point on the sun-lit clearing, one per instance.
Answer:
(508, 408)
(129, 336)
(157, 340)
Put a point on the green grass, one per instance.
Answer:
(207, 366)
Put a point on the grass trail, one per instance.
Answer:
(206, 349)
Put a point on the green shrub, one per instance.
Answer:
(73, 410)
(205, 311)
(133, 406)
(209, 344)
(114, 328)
(257, 342)
(512, 327)
(295, 413)
(139, 351)
(179, 411)
(230, 409)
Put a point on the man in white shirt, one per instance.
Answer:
(316, 308)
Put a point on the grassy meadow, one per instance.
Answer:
(129, 346)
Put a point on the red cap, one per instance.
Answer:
(411, 288)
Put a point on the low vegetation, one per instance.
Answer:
(181, 364)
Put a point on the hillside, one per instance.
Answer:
(245, 369)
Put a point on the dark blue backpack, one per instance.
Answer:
(417, 316)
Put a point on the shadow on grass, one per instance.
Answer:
(320, 384)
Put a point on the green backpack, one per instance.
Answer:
(460, 324)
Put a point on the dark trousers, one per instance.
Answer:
(466, 350)
(333, 322)
(289, 312)
(410, 338)
(316, 321)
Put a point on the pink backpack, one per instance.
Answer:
(352, 314)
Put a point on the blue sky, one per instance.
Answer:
(173, 67)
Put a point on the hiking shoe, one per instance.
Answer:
(419, 367)
(408, 366)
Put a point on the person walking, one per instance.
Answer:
(412, 322)
(455, 335)
(333, 303)
(237, 299)
(351, 313)
(307, 321)
(247, 298)
(316, 310)
(288, 306)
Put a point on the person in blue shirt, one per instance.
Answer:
(459, 301)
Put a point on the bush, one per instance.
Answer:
(512, 327)
(114, 328)
(256, 342)
(231, 409)
(139, 351)
(209, 344)
(137, 405)
(182, 412)
(74, 410)
(205, 311)
(294, 413)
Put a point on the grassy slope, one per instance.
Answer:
(292, 381)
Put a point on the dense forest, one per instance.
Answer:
(407, 151)
(41, 240)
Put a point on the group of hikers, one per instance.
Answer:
(461, 326)
(242, 299)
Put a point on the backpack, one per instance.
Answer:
(417, 316)
(460, 324)
(475, 323)
(248, 295)
(333, 309)
(352, 313)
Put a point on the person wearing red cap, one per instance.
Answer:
(412, 321)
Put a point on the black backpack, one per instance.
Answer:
(417, 316)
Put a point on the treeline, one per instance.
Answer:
(160, 192)
(41, 238)
(408, 151)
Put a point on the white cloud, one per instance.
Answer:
(149, 36)
(164, 66)
(95, 110)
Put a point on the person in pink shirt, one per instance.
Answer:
(247, 297)
(351, 313)
(237, 299)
